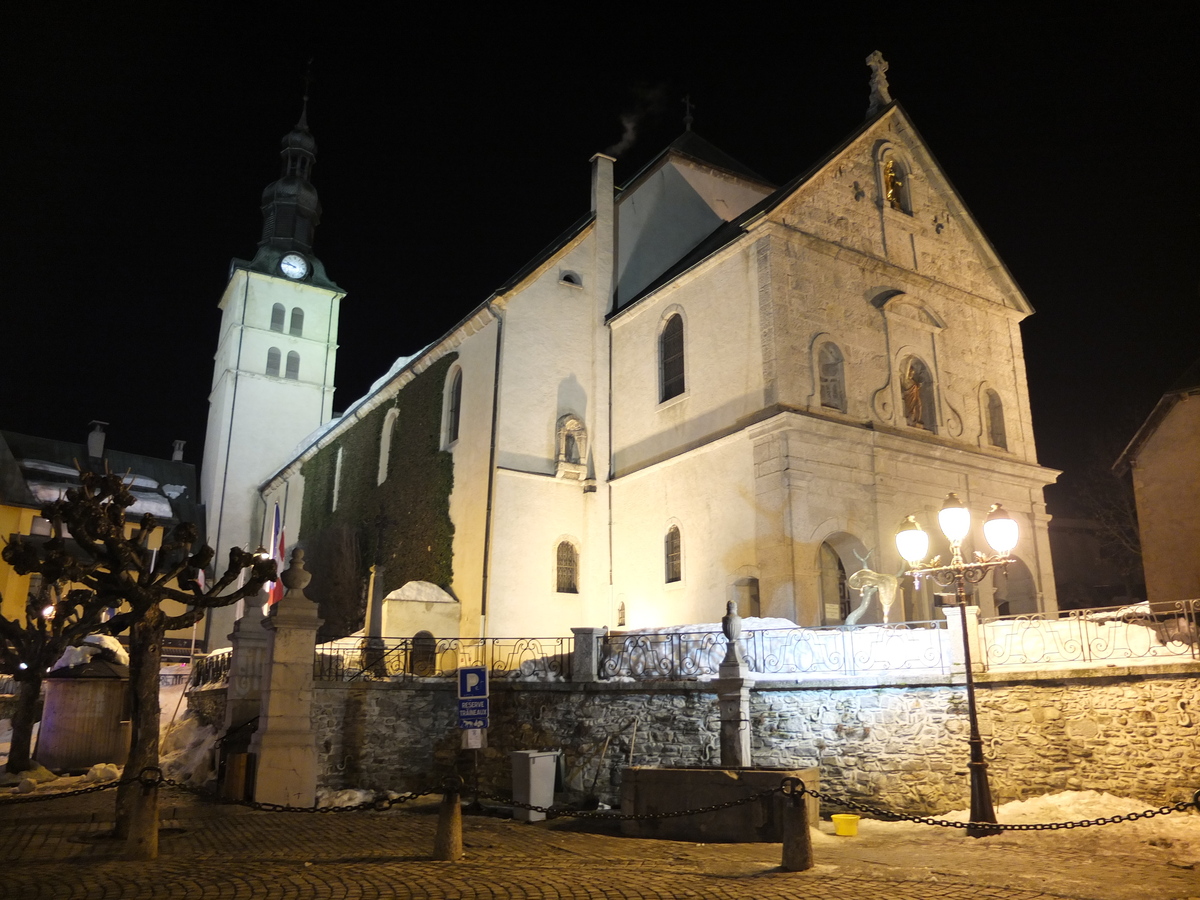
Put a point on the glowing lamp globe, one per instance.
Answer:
(911, 541)
(1000, 529)
(954, 519)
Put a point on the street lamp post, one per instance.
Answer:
(1000, 530)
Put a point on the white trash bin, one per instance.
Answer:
(533, 775)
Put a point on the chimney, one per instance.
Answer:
(95, 439)
(177, 451)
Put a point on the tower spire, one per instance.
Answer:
(291, 210)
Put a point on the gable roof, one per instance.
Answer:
(691, 146)
(728, 232)
(1186, 385)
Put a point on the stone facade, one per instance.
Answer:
(1133, 732)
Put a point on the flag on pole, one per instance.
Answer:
(278, 545)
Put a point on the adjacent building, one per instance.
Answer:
(1166, 484)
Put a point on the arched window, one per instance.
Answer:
(997, 436)
(567, 564)
(293, 365)
(296, 329)
(832, 372)
(670, 358)
(916, 389)
(422, 662)
(453, 406)
(277, 313)
(385, 444)
(273, 361)
(673, 552)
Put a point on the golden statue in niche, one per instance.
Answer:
(911, 386)
(893, 186)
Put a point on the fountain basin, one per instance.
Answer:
(650, 789)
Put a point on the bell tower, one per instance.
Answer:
(273, 370)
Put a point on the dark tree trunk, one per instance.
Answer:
(22, 724)
(137, 805)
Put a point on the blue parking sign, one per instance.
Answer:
(473, 703)
(472, 682)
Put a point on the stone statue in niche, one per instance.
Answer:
(911, 388)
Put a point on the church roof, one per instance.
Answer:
(1186, 385)
(691, 146)
(728, 232)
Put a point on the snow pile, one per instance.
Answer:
(93, 645)
(348, 797)
(1178, 834)
(188, 751)
(102, 772)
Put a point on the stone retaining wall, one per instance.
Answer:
(1134, 732)
(208, 704)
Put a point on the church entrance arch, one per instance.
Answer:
(840, 555)
(1015, 591)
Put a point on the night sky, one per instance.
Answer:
(453, 147)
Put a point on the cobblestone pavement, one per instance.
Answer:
(55, 849)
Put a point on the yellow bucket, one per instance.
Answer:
(845, 825)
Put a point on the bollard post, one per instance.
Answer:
(448, 846)
(797, 840)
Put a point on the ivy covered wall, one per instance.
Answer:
(402, 525)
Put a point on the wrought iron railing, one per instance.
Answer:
(211, 669)
(1113, 634)
(835, 650)
(398, 659)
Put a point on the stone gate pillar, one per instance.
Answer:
(284, 746)
(243, 695)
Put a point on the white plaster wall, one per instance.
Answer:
(722, 362)
(533, 513)
(471, 452)
(709, 495)
(552, 332)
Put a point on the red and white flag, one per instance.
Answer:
(278, 551)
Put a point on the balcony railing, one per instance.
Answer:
(211, 669)
(399, 659)
(778, 652)
(1114, 635)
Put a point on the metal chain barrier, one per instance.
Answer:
(890, 816)
(790, 787)
(152, 776)
(555, 811)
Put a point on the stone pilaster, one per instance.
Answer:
(585, 658)
(954, 630)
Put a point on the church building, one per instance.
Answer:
(709, 388)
